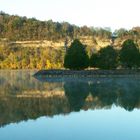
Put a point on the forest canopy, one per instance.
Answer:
(15, 27)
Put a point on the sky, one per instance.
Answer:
(98, 13)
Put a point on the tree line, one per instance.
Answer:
(15, 27)
(128, 57)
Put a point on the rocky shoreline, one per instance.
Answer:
(86, 73)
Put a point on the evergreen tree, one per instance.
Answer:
(106, 58)
(129, 55)
(94, 60)
(76, 57)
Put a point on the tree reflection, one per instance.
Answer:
(129, 96)
(104, 92)
(76, 92)
(22, 100)
(121, 92)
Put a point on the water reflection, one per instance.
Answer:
(76, 93)
(24, 97)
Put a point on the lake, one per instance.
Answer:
(68, 109)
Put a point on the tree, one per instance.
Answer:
(76, 57)
(94, 60)
(121, 32)
(129, 55)
(106, 58)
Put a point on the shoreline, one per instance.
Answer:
(86, 73)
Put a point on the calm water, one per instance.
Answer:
(68, 109)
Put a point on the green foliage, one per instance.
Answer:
(129, 55)
(106, 58)
(14, 27)
(121, 32)
(94, 60)
(76, 57)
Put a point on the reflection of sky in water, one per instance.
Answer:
(114, 124)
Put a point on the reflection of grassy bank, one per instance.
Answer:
(21, 82)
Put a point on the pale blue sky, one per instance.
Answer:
(98, 13)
